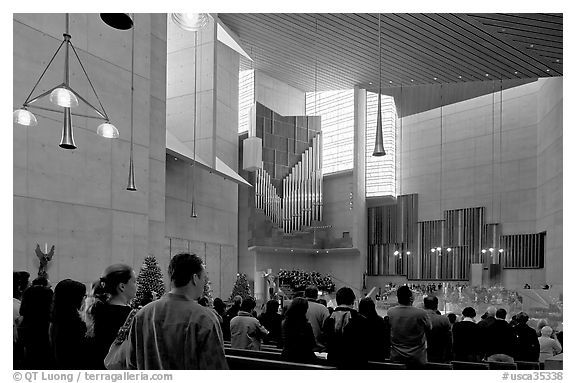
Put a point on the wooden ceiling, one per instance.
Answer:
(340, 51)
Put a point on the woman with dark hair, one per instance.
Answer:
(68, 330)
(110, 308)
(33, 330)
(272, 321)
(297, 334)
(378, 343)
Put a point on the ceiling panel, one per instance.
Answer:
(340, 51)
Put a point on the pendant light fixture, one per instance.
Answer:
(131, 183)
(122, 21)
(379, 144)
(64, 96)
(191, 21)
(193, 213)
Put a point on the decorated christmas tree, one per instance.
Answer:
(241, 287)
(150, 284)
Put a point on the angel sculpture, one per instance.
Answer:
(44, 259)
(271, 282)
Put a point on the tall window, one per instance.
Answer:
(245, 98)
(337, 111)
(381, 171)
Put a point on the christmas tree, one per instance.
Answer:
(150, 284)
(241, 287)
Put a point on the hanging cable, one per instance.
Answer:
(131, 182)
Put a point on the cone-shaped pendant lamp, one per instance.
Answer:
(67, 141)
(131, 183)
(379, 144)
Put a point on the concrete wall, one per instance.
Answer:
(483, 165)
(214, 233)
(337, 189)
(77, 199)
(549, 181)
(278, 96)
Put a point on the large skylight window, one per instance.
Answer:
(337, 111)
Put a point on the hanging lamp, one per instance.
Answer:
(191, 21)
(379, 144)
(64, 96)
(122, 21)
(131, 183)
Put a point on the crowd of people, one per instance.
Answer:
(72, 328)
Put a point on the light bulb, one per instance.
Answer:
(107, 130)
(438, 248)
(396, 252)
(501, 250)
(24, 117)
(491, 249)
(449, 249)
(63, 97)
(432, 249)
(408, 253)
(483, 251)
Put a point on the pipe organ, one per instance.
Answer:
(301, 202)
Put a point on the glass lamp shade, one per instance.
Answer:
(63, 97)
(191, 21)
(122, 21)
(107, 130)
(24, 117)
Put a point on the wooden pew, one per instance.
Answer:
(461, 365)
(522, 365)
(245, 363)
(502, 366)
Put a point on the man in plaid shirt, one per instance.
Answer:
(175, 332)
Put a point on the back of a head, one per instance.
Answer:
(345, 296)
(404, 295)
(501, 313)
(272, 306)
(219, 305)
(542, 323)
(112, 277)
(491, 311)
(469, 312)
(522, 317)
(248, 304)
(546, 331)
(68, 297)
(367, 307)
(451, 318)
(36, 303)
(431, 302)
(20, 281)
(311, 292)
(40, 281)
(182, 268)
(237, 300)
(203, 301)
(323, 302)
(297, 309)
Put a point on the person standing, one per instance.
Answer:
(548, 346)
(439, 339)
(175, 332)
(68, 330)
(245, 330)
(346, 333)
(378, 341)
(408, 328)
(34, 328)
(528, 346)
(297, 335)
(501, 342)
(467, 338)
(316, 315)
(272, 321)
(110, 308)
